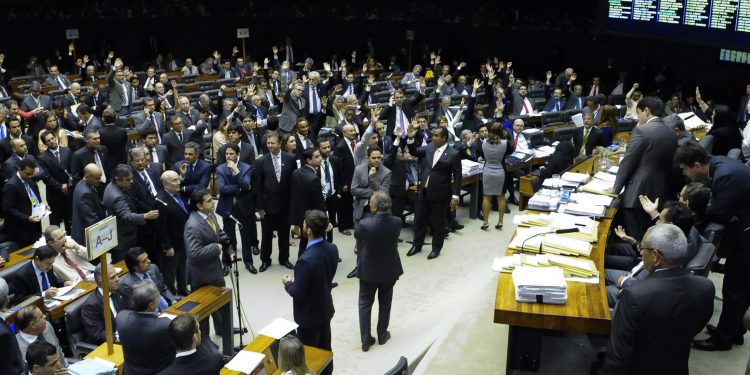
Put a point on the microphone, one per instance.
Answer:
(236, 221)
(161, 201)
(567, 230)
(554, 231)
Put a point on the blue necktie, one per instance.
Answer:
(2, 132)
(163, 305)
(180, 202)
(45, 283)
(191, 169)
(314, 100)
(32, 195)
(557, 106)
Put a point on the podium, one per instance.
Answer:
(317, 359)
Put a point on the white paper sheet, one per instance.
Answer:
(278, 328)
(245, 361)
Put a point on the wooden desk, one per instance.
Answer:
(209, 299)
(317, 359)
(10, 315)
(19, 256)
(117, 356)
(471, 183)
(586, 309)
(58, 312)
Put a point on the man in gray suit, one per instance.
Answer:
(37, 103)
(56, 79)
(32, 325)
(646, 167)
(294, 103)
(150, 117)
(205, 243)
(88, 208)
(118, 202)
(119, 90)
(141, 269)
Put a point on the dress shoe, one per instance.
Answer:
(710, 345)
(366, 346)
(447, 234)
(456, 226)
(413, 250)
(256, 251)
(250, 268)
(345, 232)
(333, 285)
(384, 339)
(352, 274)
(226, 271)
(264, 267)
(433, 254)
(737, 340)
(288, 265)
(183, 293)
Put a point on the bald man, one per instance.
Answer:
(345, 151)
(88, 208)
(169, 234)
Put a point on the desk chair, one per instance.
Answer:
(707, 143)
(701, 263)
(74, 331)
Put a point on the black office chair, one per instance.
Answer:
(735, 153)
(74, 330)
(189, 78)
(625, 125)
(401, 368)
(707, 143)
(209, 85)
(701, 263)
(553, 118)
(563, 134)
(616, 99)
(8, 272)
(538, 103)
(535, 93)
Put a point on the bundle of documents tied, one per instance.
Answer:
(540, 284)
(601, 184)
(571, 267)
(588, 229)
(470, 168)
(550, 243)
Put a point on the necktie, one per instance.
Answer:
(525, 106)
(179, 136)
(163, 304)
(154, 156)
(596, 90)
(150, 186)
(400, 114)
(557, 106)
(191, 168)
(350, 90)
(179, 201)
(57, 155)
(211, 223)
(2, 132)
(32, 196)
(60, 83)
(156, 126)
(98, 162)
(329, 180)
(74, 266)
(585, 139)
(277, 167)
(125, 99)
(578, 106)
(515, 142)
(314, 108)
(45, 282)
(353, 144)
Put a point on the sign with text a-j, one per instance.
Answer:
(243, 33)
(71, 34)
(101, 237)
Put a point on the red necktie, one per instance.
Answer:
(525, 106)
(515, 142)
(353, 144)
(74, 266)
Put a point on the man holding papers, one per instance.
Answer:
(20, 196)
(646, 166)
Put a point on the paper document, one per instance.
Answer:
(67, 293)
(577, 119)
(691, 120)
(278, 328)
(575, 177)
(40, 211)
(245, 361)
(613, 169)
(540, 284)
(606, 177)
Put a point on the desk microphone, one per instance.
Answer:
(239, 225)
(555, 231)
(161, 201)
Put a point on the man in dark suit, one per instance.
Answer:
(556, 103)
(186, 113)
(330, 179)
(307, 192)
(141, 269)
(252, 133)
(146, 185)
(92, 153)
(234, 134)
(204, 243)
(273, 176)
(195, 354)
(114, 138)
(20, 196)
(344, 151)
(587, 137)
(655, 319)
(742, 113)
(119, 202)
(120, 95)
(173, 214)
(315, 88)
(56, 162)
(35, 100)
(400, 110)
(378, 266)
(440, 185)
(10, 355)
(646, 167)
(577, 98)
(310, 288)
(13, 124)
(236, 203)
(89, 122)
(92, 310)
(157, 153)
(142, 333)
(20, 153)
(36, 278)
(194, 173)
(729, 181)
(302, 138)
(150, 117)
(88, 208)
(177, 138)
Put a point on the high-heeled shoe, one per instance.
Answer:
(485, 226)
(499, 226)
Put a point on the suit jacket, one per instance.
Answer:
(550, 105)
(409, 106)
(139, 192)
(171, 223)
(36, 121)
(175, 147)
(16, 207)
(53, 82)
(24, 282)
(446, 169)
(83, 157)
(311, 288)
(655, 321)
(144, 345)
(120, 204)
(130, 279)
(115, 139)
(117, 91)
(596, 138)
(307, 194)
(200, 362)
(163, 162)
(377, 239)
(48, 335)
(92, 315)
(6, 151)
(291, 111)
(300, 149)
(93, 124)
(346, 160)
(198, 179)
(362, 187)
(573, 102)
(87, 210)
(646, 166)
(247, 155)
(190, 118)
(140, 121)
(271, 195)
(10, 356)
(202, 247)
(10, 168)
(58, 172)
(235, 190)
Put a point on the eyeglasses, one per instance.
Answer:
(641, 248)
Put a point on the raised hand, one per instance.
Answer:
(256, 67)
(364, 68)
(440, 82)
(217, 55)
(85, 59)
(71, 47)
(2, 58)
(398, 132)
(326, 67)
(266, 61)
(461, 65)
(337, 88)
(477, 84)
(110, 55)
(354, 54)
(697, 94)
(510, 64)
(343, 63)
(235, 50)
(636, 85)
(118, 63)
(573, 76)
(549, 75)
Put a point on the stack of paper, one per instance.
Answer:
(540, 284)
(598, 185)
(91, 367)
(541, 201)
(550, 243)
(544, 151)
(470, 168)
(593, 199)
(613, 169)
(555, 183)
(572, 267)
(575, 177)
(583, 209)
(588, 229)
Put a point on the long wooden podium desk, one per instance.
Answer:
(586, 309)
(316, 359)
(58, 311)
